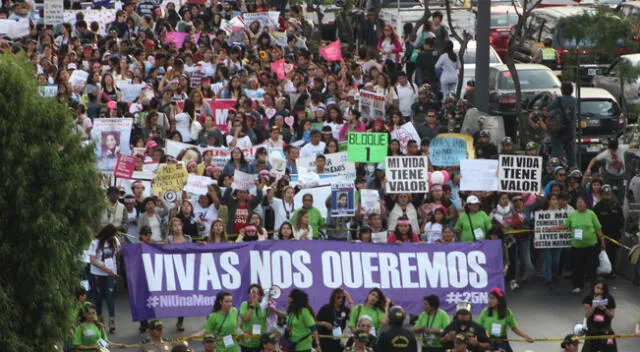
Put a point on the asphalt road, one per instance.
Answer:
(539, 312)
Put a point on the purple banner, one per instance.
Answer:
(182, 280)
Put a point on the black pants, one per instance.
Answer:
(608, 345)
(583, 261)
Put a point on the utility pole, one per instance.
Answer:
(481, 90)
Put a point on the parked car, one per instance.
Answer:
(502, 19)
(610, 81)
(600, 119)
(534, 79)
(544, 22)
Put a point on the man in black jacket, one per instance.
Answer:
(397, 338)
(611, 218)
(463, 324)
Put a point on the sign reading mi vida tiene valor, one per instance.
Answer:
(182, 280)
(520, 173)
(407, 174)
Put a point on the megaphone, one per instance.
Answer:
(275, 292)
(579, 329)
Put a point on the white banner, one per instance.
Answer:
(14, 29)
(243, 181)
(479, 175)
(104, 17)
(320, 195)
(198, 184)
(268, 19)
(53, 12)
(48, 91)
(337, 164)
(407, 174)
(130, 92)
(404, 134)
(520, 174)
(369, 201)
(544, 237)
(372, 105)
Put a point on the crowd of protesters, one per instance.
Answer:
(309, 113)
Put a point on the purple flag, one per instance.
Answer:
(183, 280)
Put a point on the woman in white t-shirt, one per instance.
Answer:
(104, 269)
(185, 119)
(282, 207)
(205, 212)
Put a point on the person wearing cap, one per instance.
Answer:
(209, 343)
(397, 338)
(497, 317)
(269, 342)
(507, 146)
(484, 148)
(314, 147)
(463, 323)
(586, 232)
(430, 324)
(461, 343)
(360, 342)
(531, 149)
(115, 213)
(155, 343)
(473, 224)
(611, 217)
(570, 343)
(613, 168)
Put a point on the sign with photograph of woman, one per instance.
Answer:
(111, 137)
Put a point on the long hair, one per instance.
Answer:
(382, 299)
(502, 305)
(107, 234)
(448, 49)
(396, 231)
(243, 161)
(219, 298)
(605, 287)
(282, 226)
(223, 235)
(299, 301)
(334, 294)
(301, 213)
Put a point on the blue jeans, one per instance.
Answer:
(447, 88)
(551, 263)
(523, 258)
(105, 287)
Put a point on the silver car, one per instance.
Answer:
(610, 81)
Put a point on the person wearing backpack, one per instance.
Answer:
(562, 125)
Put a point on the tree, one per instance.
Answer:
(464, 41)
(50, 196)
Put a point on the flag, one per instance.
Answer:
(278, 68)
(332, 52)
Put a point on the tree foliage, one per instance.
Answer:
(49, 196)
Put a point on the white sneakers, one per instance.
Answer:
(576, 290)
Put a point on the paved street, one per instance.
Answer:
(539, 312)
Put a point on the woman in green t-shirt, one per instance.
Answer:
(222, 323)
(585, 231)
(376, 306)
(496, 318)
(253, 319)
(430, 324)
(90, 334)
(301, 326)
(473, 224)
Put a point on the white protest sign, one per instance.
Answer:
(407, 174)
(520, 173)
(48, 91)
(369, 201)
(130, 92)
(78, 78)
(544, 237)
(198, 184)
(320, 195)
(268, 19)
(104, 17)
(243, 181)
(404, 134)
(336, 164)
(379, 237)
(479, 175)
(14, 29)
(372, 105)
(53, 12)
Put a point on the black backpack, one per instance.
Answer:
(560, 119)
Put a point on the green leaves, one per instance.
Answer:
(48, 200)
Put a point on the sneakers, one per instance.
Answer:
(576, 290)
(514, 285)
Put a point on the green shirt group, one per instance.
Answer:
(257, 321)
(224, 327)
(495, 326)
(88, 335)
(301, 325)
(481, 225)
(376, 314)
(439, 320)
(583, 228)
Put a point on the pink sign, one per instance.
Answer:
(178, 38)
(278, 68)
(332, 52)
(220, 108)
(125, 166)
